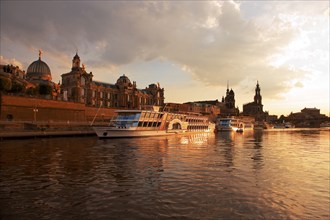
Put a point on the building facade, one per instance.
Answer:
(307, 117)
(79, 86)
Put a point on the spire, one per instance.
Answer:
(257, 96)
(76, 62)
(257, 86)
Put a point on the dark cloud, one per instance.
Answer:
(213, 41)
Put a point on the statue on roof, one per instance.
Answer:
(40, 53)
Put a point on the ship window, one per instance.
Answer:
(149, 124)
(145, 124)
(131, 117)
(158, 124)
(140, 123)
(137, 116)
(135, 124)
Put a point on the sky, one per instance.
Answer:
(194, 49)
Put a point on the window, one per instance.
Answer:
(82, 81)
(137, 116)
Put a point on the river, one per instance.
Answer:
(280, 174)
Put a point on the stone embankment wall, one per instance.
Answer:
(28, 109)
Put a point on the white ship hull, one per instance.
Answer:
(142, 123)
(106, 132)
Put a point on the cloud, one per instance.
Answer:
(299, 85)
(213, 41)
(13, 61)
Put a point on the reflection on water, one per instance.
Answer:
(250, 175)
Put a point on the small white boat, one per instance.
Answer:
(141, 123)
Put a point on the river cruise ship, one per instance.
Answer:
(233, 124)
(141, 123)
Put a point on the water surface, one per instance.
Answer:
(256, 175)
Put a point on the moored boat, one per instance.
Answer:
(141, 123)
(233, 124)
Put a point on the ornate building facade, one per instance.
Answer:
(79, 86)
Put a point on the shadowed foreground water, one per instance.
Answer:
(256, 175)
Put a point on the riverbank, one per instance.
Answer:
(26, 129)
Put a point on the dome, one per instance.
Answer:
(124, 80)
(39, 70)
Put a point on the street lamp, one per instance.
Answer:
(35, 110)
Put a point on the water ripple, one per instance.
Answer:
(261, 175)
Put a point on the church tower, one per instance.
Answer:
(257, 96)
(255, 108)
(230, 98)
(76, 83)
(76, 62)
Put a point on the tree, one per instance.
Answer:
(282, 118)
(31, 91)
(44, 89)
(5, 84)
(16, 87)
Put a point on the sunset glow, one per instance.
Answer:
(192, 48)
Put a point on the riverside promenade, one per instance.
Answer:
(28, 129)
